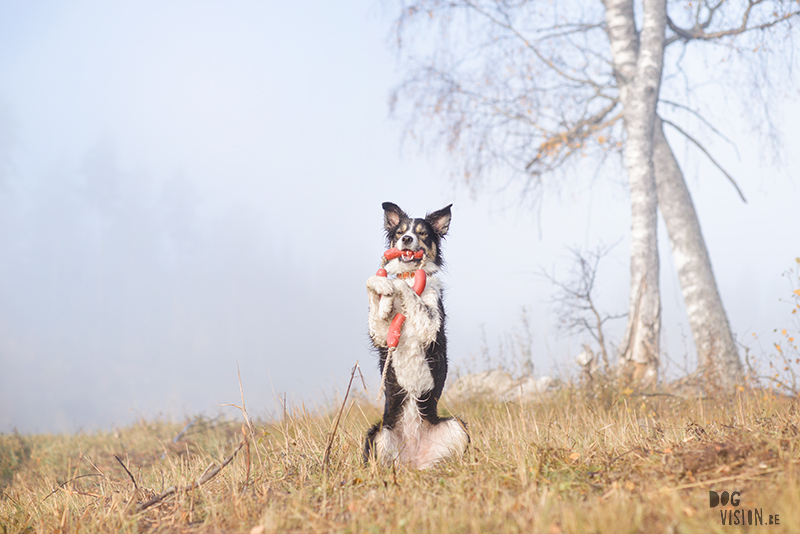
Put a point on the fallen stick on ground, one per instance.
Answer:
(61, 486)
(210, 472)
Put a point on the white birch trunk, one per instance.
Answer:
(717, 358)
(641, 80)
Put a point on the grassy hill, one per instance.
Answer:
(571, 463)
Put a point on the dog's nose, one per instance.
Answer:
(407, 239)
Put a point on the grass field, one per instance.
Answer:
(610, 462)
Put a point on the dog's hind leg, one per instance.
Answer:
(369, 451)
(447, 438)
(382, 444)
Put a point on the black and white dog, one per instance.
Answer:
(411, 430)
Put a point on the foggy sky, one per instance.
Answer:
(186, 187)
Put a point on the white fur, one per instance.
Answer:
(380, 291)
(419, 443)
(438, 442)
(388, 445)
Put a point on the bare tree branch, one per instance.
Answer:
(576, 309)
(717, 165)
(704, 121)
(518, 84)
(698, 31)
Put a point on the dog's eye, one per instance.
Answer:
(423, 234)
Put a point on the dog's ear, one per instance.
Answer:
(392, 215)
(440, 220)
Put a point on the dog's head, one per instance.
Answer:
(406, 233)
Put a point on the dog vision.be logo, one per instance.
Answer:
(738, 516)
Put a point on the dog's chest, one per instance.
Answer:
(410, 365)
(411, 368)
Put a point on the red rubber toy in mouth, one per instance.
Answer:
(407, 255)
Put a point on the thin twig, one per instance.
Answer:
(717, 165)
(182, 433)
(363, 383)
(704, 121)
(327, 454)
(84, 457)
(242, 408)
(247, 419)
(699, 33)
(211, 471)
(60, 486)
(247, 458)
(135, 485)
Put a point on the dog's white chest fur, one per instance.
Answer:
(410, 366)
(411, 369)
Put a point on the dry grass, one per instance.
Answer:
(569, 464)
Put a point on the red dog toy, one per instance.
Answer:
(420, 279)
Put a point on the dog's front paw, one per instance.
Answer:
(380, 285)
(385, 307)
(401, 287)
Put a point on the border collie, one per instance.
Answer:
(411, 430)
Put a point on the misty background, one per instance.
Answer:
(190, 186)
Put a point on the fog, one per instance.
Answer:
(190, 188)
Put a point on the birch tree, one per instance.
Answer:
(640, 74)
(529, 85)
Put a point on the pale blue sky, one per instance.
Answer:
(188, 185)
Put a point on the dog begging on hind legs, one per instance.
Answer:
(406, 325)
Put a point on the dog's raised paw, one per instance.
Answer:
(385, 308)
(401, 287)
(380, 285)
